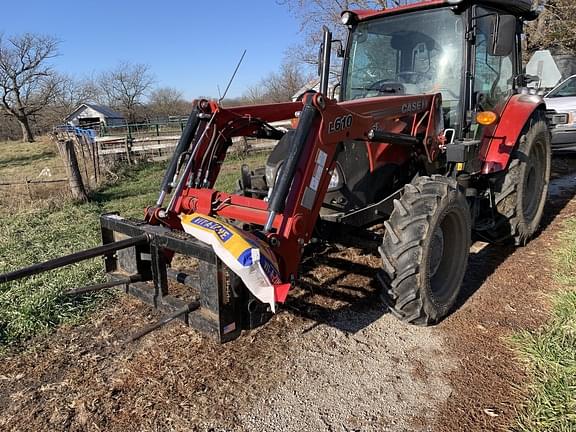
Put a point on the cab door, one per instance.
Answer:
(494, 73)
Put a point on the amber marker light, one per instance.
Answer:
(486, 118)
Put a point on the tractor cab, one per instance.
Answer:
(469, 51)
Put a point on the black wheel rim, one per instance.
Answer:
(447, 257)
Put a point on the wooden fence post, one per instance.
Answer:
(80, 141)
(128, 148)
(66, 149)
(28, 188)
(94, 156)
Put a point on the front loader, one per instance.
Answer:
(433, 140)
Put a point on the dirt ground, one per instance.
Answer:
(332, 360)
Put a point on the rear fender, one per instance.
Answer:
(499, 142)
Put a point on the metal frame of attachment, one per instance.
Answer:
(219, 303)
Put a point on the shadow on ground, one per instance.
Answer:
(484, 262)
(337, 288)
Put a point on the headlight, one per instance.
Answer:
(272, 174)
(559, 119)
(336, 179)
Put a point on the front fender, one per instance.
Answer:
(498, 143)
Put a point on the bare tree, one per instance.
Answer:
(27, 80)
(554, 29)
(167, 101)
(278, 86)
(72, 92)
(255, 94)
(125, 87)
(313, 14)
(69, 94)
(9, 128)
(282, 85)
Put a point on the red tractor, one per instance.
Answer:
(434, 138)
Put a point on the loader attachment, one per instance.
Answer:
(224, 307)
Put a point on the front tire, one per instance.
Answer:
(521, 193)
(425, 250)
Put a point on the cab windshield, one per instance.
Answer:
(416, 53)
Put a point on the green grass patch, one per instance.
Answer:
(230, 172)
(551, 353)
(36, 305)
(136, 189)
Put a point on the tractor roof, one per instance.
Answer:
(521, 8)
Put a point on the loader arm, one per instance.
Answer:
(323, 124)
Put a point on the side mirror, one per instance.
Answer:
(335, 89)
(503, 35)
(524, 80)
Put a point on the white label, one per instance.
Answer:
(317, 176)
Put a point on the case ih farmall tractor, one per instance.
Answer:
(434, 139)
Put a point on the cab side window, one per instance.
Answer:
(494, 75)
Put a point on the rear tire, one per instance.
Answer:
(521, 192)
(425, 250)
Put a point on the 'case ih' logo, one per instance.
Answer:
(414, 106)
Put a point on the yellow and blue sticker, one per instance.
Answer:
(216, 227)
(246, 248)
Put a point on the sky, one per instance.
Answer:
(192, 45)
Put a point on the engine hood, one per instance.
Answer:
(561, 104)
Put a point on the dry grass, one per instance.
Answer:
(19, 160)
(22, 162)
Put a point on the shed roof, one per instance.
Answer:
(105, 111)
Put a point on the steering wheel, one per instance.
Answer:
(378, 85)
(412, 76)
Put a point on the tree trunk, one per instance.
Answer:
(68, 154)
(27, 135)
